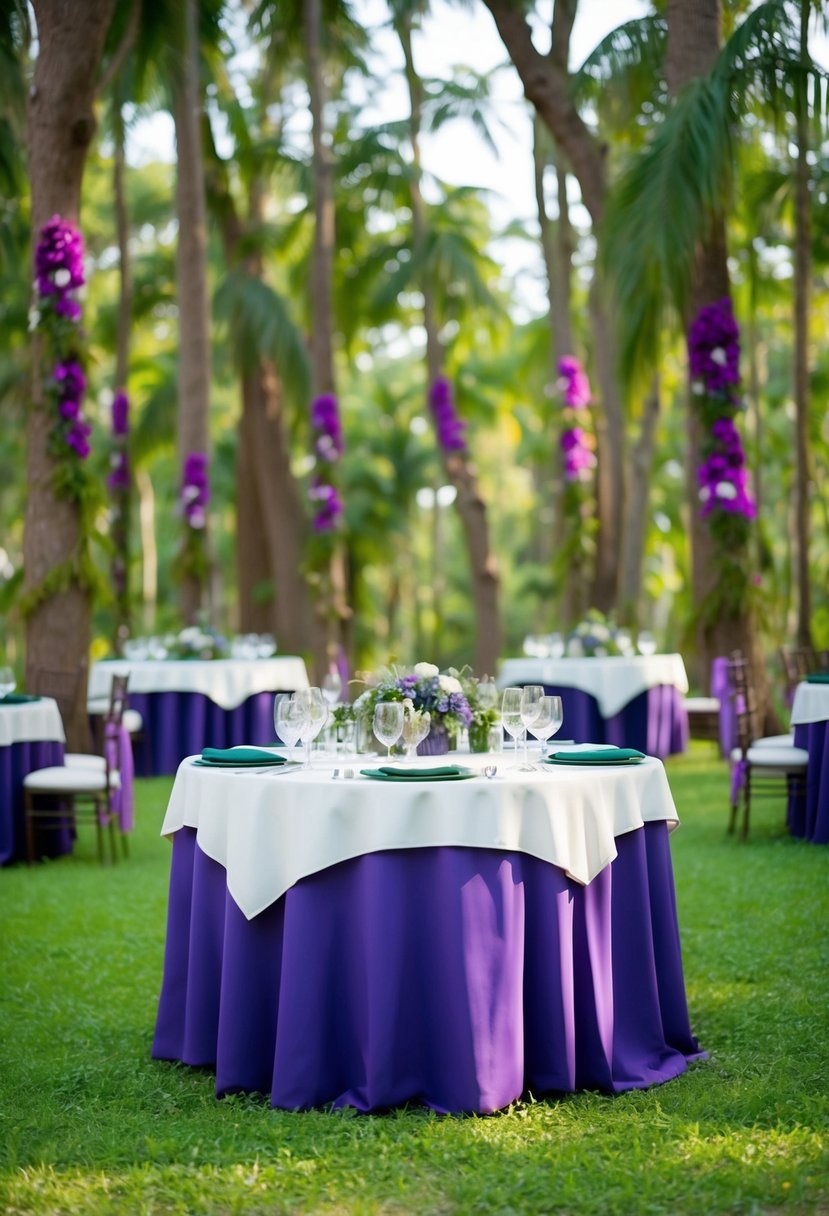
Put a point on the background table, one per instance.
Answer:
(809, 817)
(188, 704)
(634, 701)
(31, 737)
(451, 975)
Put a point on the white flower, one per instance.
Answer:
(601, 632)
(426, 671)
(705, 493)
(698, 387)
(724, 489)
(189, 493)
(719, 356)
(62, 277)
(449, 684)
(575, 648)
(34, 319)
(196, 519)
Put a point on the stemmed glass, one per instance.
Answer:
(511, 712)
(332, 686)
(415, 729)
(288, 720)
(531, 695)
(7, 681)
(316, 716)
(388, 723)
(548, 718)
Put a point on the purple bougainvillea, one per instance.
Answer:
(120, 414)
(575, 442)
(573, 382)
(449, 425)
(328, 447)
(195, 491)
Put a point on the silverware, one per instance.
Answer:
(490, 770)
(335, 774)
(348, 773)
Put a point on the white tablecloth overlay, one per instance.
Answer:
(31, 722)
(811, 703)
(613, 680)
(227, 682)
(268, 830)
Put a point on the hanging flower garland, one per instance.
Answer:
(328, 447)
(449, 426)
(578, 462)
(726, 502)
(119, 483)
(194, 495)
(55, 317)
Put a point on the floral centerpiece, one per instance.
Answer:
(597, 635)
(196, 642)
(441, 693)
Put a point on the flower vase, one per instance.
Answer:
(479, 736)
(436, 742)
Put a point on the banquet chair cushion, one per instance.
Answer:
(774, 760)
(84, 760)
(775, 740)
(702, 705)
(75, 780)
(131, 717)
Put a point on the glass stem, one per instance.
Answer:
(526, 747)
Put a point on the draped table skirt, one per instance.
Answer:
(459, 978)
(179, 724)
(16, 761)
(655, 721)
(809, 814)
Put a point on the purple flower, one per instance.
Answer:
(328, 503)
(714, 347)
(578, 458)
(194, 494)
(69, 409)
(120, 413)
(119, 477)
(78, 438)
(450, 427)
(70, 378)
(574, 383)
(59, 260)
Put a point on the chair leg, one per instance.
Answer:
(30, 827)
(732, 818)
(746, 805)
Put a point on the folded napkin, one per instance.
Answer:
(445, 772)
(601, 755)
(18, 698)
(240, 756)
(818, 677)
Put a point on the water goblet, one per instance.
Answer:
(316, 716)
(415, 729)
(288, 720)
(548, 719)
(511, 712)
(7, 681)
(388, 723)
(332, 686)
(531, 695)
(487, 694)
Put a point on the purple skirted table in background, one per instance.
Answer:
(456, 977)
(809, 816)
(187, 705)
(634, 701)
(31, 737)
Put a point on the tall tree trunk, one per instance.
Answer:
(546, 84)
(802, 296)
(122, 504)
(693, 43)
(61, 125)
(334, 632)
(191, 276)
(471, 508)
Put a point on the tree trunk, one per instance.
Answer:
(638, 500)
(191, 276)
(483, 567)
(122, 495)
(61, 125)
(802, 295)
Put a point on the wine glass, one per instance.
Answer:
(7, 681)
(332, 685)
(646, 642)
(487, 694)
(548, 718)
(388, 723)
(415, 729)
(316, 716)
(288, 719)
(511, 712)
(531, 695)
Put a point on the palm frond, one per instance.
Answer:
(623, 70)
(261, 326)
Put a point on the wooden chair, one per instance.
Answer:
(78, 791)
(797, 662)
(770, 765)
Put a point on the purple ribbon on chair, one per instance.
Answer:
(119, 755)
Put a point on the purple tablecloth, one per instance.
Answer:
(179, 724)
(459, 978)
(16, 761)
(655, 721)
(809, 816)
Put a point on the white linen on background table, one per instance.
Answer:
(31, 722)
(811, 703)
(227, 682)
(268, 830)
(614, 680)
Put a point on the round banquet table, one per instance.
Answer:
(629, 701)
(808, 815)
(444, 973)
(188, 704)
(31, 737)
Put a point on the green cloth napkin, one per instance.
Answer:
(240, 756)
(818, 677)
(18, 698)
(603, 755)
(446, 772)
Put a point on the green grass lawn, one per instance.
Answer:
(89, 1123)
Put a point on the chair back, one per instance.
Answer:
(117, 700)
(797, 662)
(743, 702)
